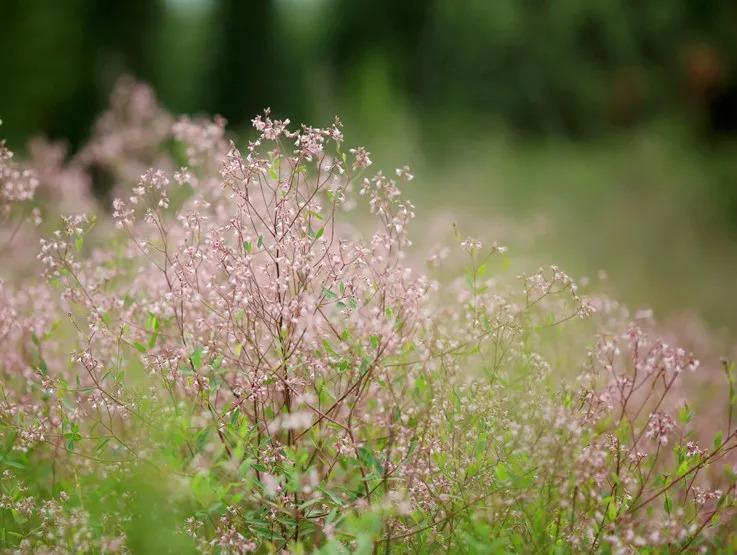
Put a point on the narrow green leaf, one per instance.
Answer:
(196, 358)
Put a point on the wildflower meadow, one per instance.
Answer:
(234, 347)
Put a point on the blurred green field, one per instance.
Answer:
(649, 208)
(596, 135)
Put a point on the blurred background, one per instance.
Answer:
(597, 134)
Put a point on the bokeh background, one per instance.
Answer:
(597, 134)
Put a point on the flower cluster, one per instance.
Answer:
(229, 351)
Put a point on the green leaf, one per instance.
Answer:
(152, 322)
(217, 363)
(201, 439)
(624, 431)
(140, 346)
(368, 458)
(13, 464)
(107, 319)
(612, 511)
(502, 472)
(196, 358)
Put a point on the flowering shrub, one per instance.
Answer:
(228, 364)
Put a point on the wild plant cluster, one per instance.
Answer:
(238, 355)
